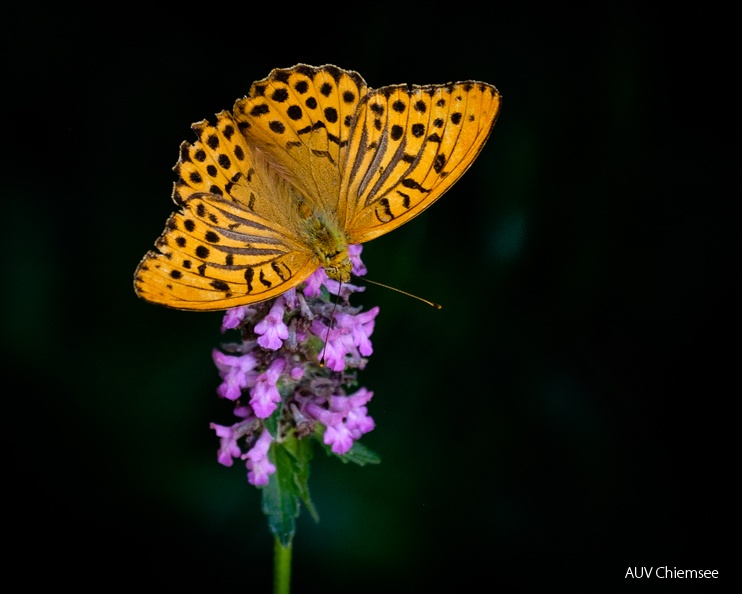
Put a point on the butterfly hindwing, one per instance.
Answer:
(212, 256)
(408, 146)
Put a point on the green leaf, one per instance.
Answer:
(281, 496)
(359, 454)
(271, 423)
(302, 451)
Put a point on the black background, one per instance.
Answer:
(566, 416)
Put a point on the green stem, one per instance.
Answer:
(281, 568)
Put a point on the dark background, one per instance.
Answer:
(566, 416)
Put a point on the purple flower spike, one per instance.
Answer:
(233, 318)
(357, 421)
(349, 337)
(315, 282)
(361, 329)
(354, 251)
(278, 346)
(235, 373)
(265, 395)
(290, 299)
(334, 351)
(228, 447)
(345, 421)
(272, 328)
(258, 465)
(228, 436)
(339, 438)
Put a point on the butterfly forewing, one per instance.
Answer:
(408, 147)
(301, 118)
(472, 111)
(233, 241)
(385, 150)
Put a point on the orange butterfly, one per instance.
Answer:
(310, 161)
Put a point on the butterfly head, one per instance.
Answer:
(336, 262)
(339, 271)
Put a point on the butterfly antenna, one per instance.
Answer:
(430, 303)
(332, 318)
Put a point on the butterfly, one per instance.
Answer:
(310, 161)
